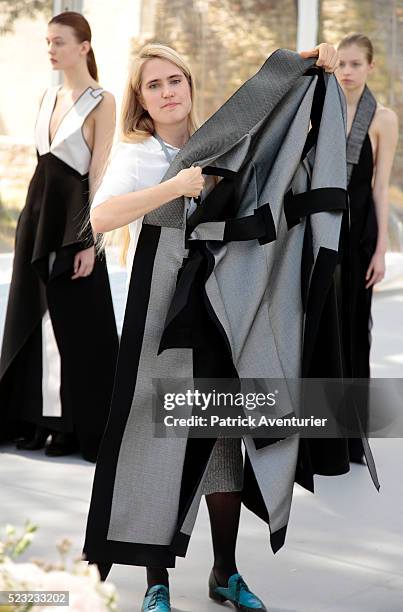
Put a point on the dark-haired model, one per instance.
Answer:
(60, 340)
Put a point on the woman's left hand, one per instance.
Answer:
(84, 263)
(328, 57)
(376, 269)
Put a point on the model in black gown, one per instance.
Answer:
(362, 240)
(60, 340)
(359, 238)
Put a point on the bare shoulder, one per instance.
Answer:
(385, 120)
(108, 97)
(108, 105)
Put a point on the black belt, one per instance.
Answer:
(324, 199)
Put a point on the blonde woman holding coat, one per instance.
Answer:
(158, 117)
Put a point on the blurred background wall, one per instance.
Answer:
(225, 40)
(382, 21)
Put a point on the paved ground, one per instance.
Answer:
(344, 549)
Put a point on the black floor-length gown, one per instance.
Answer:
(359, 238)
(60, 340)
(362, 243)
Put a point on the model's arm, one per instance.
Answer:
(121, 210)
(387, 133)
(103, 130)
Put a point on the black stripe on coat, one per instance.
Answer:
(97, 548)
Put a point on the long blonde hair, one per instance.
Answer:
(135, 123)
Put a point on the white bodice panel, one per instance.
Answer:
(68, 143)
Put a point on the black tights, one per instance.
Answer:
(224, 510)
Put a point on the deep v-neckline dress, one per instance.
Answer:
(60, 340)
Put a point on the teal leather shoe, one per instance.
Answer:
(237, 592)
(156, 599)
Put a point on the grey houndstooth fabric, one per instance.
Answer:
(146, 489)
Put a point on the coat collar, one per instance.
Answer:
(152, 144)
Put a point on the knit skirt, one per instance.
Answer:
(225, 471)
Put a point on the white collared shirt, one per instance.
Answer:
(133, 166)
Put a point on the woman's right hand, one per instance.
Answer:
(190, 182)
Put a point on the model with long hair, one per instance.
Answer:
(372, 138)
(60, 340)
